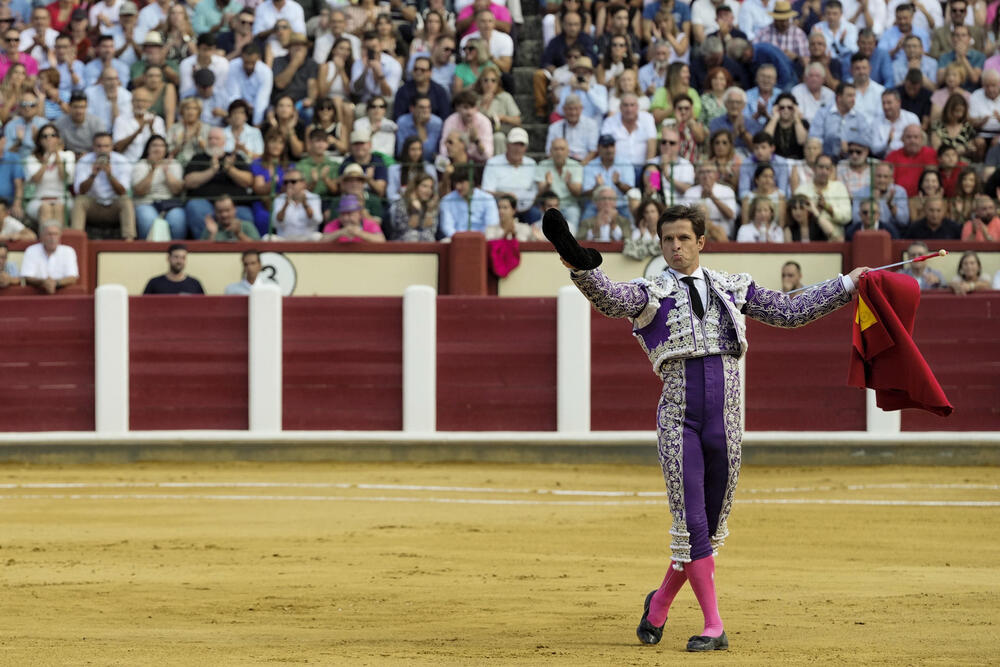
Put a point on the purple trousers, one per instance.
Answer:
(700, 434)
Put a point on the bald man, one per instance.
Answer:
(912, 159)
(133, 128)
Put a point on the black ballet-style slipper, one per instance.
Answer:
(703, 643)
(647, 632)
(557, 231)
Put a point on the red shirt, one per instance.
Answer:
(57, 25)
(908, 168)
(949, 179)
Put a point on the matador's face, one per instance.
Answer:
(680, 246)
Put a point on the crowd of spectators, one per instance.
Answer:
(337, 121)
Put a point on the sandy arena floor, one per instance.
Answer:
(243, 564)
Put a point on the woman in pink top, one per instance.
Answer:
(351, 226)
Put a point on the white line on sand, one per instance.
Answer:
(482, 501)
(464, 489)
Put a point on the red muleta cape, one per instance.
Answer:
(883, 355)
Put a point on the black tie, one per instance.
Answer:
(699, 308)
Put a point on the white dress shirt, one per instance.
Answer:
(149, 17)
(883, 126)
(699, 284)
(188, 66)
(99, 106)
(100, 189)
(126, 124)
(297, 225)
(255, 89)
(28, 38)
(266, 15)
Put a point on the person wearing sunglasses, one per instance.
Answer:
(10, 54)
(422, 84)
(788, 128)
(22, 130)
(296, 213)
(231, 42)
(381, 130)
(443, 61)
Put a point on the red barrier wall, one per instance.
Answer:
(958, 337)
(496, 364)
(624, 391)
(797, 378)
(188, 360)
(343, 363)
(47, 363)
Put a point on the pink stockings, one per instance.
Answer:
(701, 574)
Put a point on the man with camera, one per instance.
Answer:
(375, 73)
(593, 95)
(101, 185)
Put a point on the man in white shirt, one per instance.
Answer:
(133, 128)
(205, 58)
(887, 133)
(150, 18)
(580, 132)
(335, 29)
(40, 39)
(107, 99)
(251, 80)
(513, 173)
(296, 213)
(868, 93)
(380, 74)
(267, 14)
(634, 132)
(101, 183)
(841, 35)
(718, 201)
(703, 17)
(127, 47)
(984, 105)
(251, 275)
(501, 45)
(811, 95)
(676, 173)
(50, 265)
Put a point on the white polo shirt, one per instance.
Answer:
(630, 146)
(38, 264)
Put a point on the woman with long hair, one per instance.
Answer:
(970, 276)
(664, 28)
(719, 80)
(678, 83)
(327, 118)
(406, 171)
(722, 153)
(423, 39)
(647, 213)
(189, 136)
(955, 130)
(285, 118)
(15, 84)
(802, 220)
(390, 40)
(764, 185)
(242, 137)
(929, 185)
(269, 177)
(954, 80)
(761, 226)
(615, 60)
(626, 82)
(333, 81)
(414, 216)
(496, 104)
(157, 181)
(179, 42)
(475, 56)
(49, 172)
(164, 95)
(967, 187)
